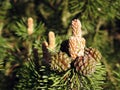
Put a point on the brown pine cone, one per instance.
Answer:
(60, 62)
(94, 53)
(87, 64)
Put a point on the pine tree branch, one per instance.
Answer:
(10, 71)
(36, 57)
(48, 4)
(109, 73)
(99, 24)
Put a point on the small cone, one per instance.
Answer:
(94, 53)
(87, 64)
(60, 62)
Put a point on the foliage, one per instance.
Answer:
(21, 59)
(72, 80)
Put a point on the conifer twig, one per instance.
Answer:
(46, 54)
(48, 46)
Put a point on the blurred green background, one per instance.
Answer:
(100, 21)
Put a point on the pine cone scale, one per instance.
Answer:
(60, 62)
(87, 64)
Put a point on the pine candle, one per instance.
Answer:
(76, 41)
(30, 26)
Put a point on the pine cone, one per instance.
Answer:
(60, 62)
(87, 64)
(94, 53)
